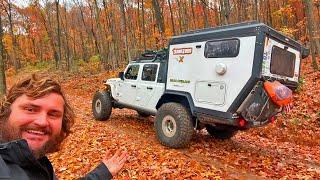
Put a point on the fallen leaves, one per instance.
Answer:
(287, 149)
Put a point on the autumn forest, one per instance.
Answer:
(83, 42)
(113, 32)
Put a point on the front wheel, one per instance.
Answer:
(102, 105)
(221, 133)
(173, 124)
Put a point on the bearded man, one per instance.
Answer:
(35, 118)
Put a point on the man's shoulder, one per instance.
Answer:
(4, 169)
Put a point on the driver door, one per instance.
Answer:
(127, 89)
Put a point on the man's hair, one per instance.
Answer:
(37, 87)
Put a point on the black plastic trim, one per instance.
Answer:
(212, 36)
(182, 93)
(198, 110)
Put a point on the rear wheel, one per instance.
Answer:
(220, 132)
(173, 125)
(101, 105)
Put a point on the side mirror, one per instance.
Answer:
(120, 75)
(305, 52)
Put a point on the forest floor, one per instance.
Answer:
(286, 149)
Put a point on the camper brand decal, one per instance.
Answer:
(181, 51)
(180, 81)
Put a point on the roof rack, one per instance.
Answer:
(222, 27)
(152, 56)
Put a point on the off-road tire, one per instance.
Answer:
(221, 133)
(102, 105)
(179, 117)
(142, 114)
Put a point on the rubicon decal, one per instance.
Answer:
(180, 81)
(181, 51)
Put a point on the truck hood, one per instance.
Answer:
(112, 80)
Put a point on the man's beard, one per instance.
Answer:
(9, 133)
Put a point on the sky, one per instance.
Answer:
(21, 3)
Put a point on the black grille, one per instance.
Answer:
(282, 62)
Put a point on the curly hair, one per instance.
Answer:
(36, 87)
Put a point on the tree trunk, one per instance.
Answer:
(172, 20)
(205, 16)
(143, 27)
(124, 29)
(139, 26)
(115, 43)
(85, 56)
(185, 16)
(159, 20)
(58, 64)
(255, 10)
(2, 67)
(96, 45)
(158, 15)
(14, 55)
(101, 38)
(239, 10)
(269, 12)
(318, 10)
(310, 20)
(49, 32)
(89, 32)
(68, 52)
(110, 28)
(226, 11)
(193, 15)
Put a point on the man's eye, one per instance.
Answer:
(55, 115)
(29, 109)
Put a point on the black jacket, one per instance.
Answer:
(18, 163)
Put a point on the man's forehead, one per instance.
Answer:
(45, 96)
(48, 99)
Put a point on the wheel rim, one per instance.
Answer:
(169, 126)
(98, 106)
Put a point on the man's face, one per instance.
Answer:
(38, 121)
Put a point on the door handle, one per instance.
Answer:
(150, 88)
(134, 86)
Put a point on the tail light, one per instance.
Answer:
(273, 119)
(242, 122)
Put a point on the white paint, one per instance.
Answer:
(196, 68)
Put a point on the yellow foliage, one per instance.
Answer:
(288, 31)
(109, 38)
(8, 45)
(148, 4)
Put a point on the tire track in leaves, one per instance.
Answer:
(148, 137)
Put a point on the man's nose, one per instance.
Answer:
(42, 120)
